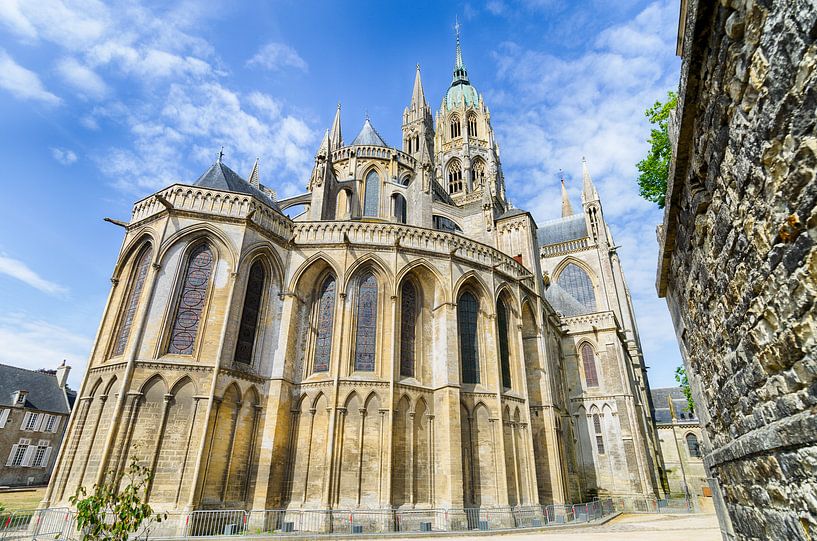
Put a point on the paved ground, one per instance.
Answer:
(624, 528)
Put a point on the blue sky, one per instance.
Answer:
(103, 103)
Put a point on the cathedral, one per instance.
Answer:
(407, 341)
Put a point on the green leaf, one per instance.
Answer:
(654, 169)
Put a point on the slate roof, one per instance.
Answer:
(43, 392)
(511, 212)
(562, 230)
(563, 302)
(660, 401)
(221, 177)
(369, 136)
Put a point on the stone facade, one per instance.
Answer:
(390, 347)
(738, 262)
(34, 410)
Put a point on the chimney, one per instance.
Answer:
(62, 374)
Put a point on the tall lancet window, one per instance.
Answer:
(467, 310)
(371, 201)
(455, 126)
(140, 272)
(472, 125)
(408, 328)
(191, 301)
(599, 435)
(324, 324)
(589, 363)
(576, 282)
(454, 177)
(366, 333)
(504, 353)
(249, 315)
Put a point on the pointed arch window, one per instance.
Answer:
(455, 127)
(408, 328)
(575, 281)
(479, 173)
(192, 297)
(366, 332)
(400, 211)
(693, 445)
(454, 177)
(467, 309)
(589, 363)
(504, 353)
(472, 125)
(140, 271)
(599, 434)
(248, 327)
(324, 325)
(371, 201)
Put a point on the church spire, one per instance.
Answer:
(460, 73)
(567, 209)
(418, 97)
(335, 135)
(589, 192)
(254, 179)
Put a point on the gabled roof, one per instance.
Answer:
(221, 177)
(43, 391)
(369, 136)
(562, 230)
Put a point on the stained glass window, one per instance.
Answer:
(191, 301)
(467, 308)
(408, 328)
(454, 177)
(366, 333)
(326, 319)
(576, 282)
(504, 355)
(372, 197)
(140, 272)
(249, 314)
(589, 362)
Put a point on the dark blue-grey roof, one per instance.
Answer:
(369, 136)
(563, 302)
(660, 402)
(511, 213)
(43, 391)
(221, 177)
(562, 230)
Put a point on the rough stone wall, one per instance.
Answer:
(739, 265)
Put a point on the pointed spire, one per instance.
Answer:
(589, 192)
(460, 73)
(335, 135)
(418, 97)
(567, 209)
(323, 150)
(254, 180)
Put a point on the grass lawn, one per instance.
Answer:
(28, 499)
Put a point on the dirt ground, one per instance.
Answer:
(28, 499)
(701, 527)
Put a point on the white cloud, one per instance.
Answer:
(19, 270)
(23, 83)
(552, 110)
(63, 155)
(278, 56)
(32, 343)
(82, 78)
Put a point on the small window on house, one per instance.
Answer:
(30, 421)
(41, 455)
(51, 424)
(18, 453)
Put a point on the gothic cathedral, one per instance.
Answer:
(408, 341)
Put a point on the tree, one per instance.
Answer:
(652, 182)
(112, 511)
(683, 381)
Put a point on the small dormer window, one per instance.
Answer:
(20, 398)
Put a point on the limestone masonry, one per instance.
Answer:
(738, 264)
(408, 341)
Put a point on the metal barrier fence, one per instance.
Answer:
(59, 523)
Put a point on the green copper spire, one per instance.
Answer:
(460, 73)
